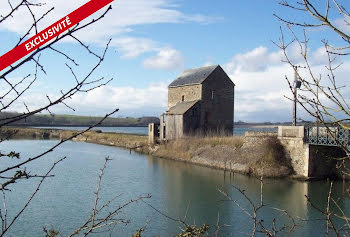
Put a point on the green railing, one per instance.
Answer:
(327, 136)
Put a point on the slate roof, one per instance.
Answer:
(193, 76)
(182, 107)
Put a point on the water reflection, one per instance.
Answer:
(196, 186)
(177, 188)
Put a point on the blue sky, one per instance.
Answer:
(154, 40)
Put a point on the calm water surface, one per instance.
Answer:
(66, 200)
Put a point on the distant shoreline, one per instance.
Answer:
(256, 126)
(76, 126)
(125, 126)
(144, 126)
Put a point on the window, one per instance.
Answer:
(183, 98)
(212, 94)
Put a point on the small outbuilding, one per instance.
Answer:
(200, 101)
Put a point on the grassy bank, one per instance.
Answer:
(28, 133)
(264, 156)
(131, 141)
(76, 120)
(251, 155)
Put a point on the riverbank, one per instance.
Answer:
(258, 156)
(130, 141)
(263, 156)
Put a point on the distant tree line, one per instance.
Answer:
(73, 120)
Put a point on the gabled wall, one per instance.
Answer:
(191, 120)
(217, 102)
(216, 95)
(190, 93)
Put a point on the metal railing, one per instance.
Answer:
(327, 136)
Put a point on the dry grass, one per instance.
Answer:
(273, 161)
(213, 141)
(188, 147)
(263, 156)
(28, 133)
(113, 139)
(273, 152)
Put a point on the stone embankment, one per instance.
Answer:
(259, 154)
(256, 154)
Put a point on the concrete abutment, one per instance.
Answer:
(309, 161)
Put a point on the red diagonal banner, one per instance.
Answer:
(52, 31)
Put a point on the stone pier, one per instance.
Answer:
(309, 161)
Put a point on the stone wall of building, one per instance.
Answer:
(191, 120)
(190, 93)
(217, 102)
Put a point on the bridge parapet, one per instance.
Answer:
(327, 136)
(291, 131)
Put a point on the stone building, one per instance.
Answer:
(200, 101)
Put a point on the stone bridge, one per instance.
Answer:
(327, 136)
(312, 150)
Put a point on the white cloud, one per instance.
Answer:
(124, 15)
(259, 76)
(125, 98)
(117, 24)
(260, 89)
(167, 58)
(319, 56)
(260, 93)
(131, 101)
(207, 63)
(133, 47)
(253, 61)
(343, 24)
(261, 59)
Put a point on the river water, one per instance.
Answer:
(66, 200)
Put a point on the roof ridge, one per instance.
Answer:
(189, 69)
(193, 76)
